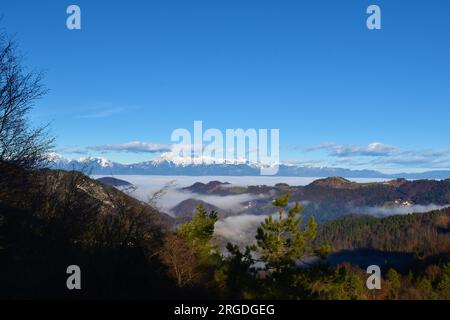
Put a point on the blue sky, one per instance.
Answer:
(341, 95)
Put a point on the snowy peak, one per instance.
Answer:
(102, 162)
(201, 160)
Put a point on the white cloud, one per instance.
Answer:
(379, 154)
(103, 113)
(133, 146)
(399, 210)
(238, 229)
(374, 149)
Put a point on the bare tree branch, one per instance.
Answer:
(20, 143)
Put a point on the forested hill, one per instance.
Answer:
(50, 219)
(421, 233)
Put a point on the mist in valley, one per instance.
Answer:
(240, 226)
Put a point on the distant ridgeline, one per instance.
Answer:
(163, 166)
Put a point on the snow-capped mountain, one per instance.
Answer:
(168, 164)
(89, 165)
(204, 160)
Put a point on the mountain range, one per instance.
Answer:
(166, 165)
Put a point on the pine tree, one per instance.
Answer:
(444, 285)
(199, 231)
(282, 241)
(394, 280)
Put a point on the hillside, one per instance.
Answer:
(51, 219)
(212, 187)
(423, 234)
(186, 209)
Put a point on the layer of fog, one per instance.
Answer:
(240, 229)
(397, 210)
(146, 186)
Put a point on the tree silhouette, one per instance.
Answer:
(20, 144)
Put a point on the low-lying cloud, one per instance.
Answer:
(397, 210)
(133, 147)
(375, 149)
(146, 186)
(233, 203)
(238, 229)
(241, 230)
(378, 154)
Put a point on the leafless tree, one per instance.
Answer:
(157, 195)
(20, 143)
(181, 260)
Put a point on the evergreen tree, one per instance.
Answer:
(444, 285)
(282, 242)
(199, 231)
(394, 280)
